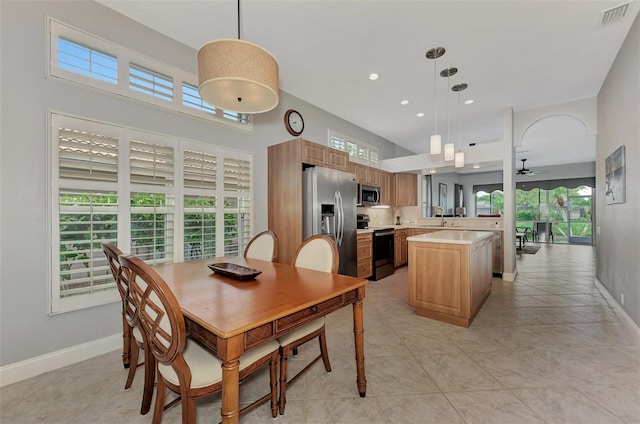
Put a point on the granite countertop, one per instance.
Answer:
(452, 237)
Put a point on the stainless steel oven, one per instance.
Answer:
(383, 253)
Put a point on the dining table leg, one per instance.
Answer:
(230, 410)
(358, 334)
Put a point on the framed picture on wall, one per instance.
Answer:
(614, 184)
(443, 197)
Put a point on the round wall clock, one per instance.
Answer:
(293, 122)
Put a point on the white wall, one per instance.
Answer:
(26, 331)
(618, 225)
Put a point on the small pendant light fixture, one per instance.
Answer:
(449, 147)
(459, 155)
(435, 145)
(237, 75)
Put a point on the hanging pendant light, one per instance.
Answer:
(449, 147)
(237, 75)
(435, 145)
(459, 155)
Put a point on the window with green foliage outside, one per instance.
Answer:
(160, 202)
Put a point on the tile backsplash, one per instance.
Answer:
(411, 215)
(387, 216)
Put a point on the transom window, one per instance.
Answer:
(358, 151)
(81, 58)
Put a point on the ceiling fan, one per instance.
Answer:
(524, 171)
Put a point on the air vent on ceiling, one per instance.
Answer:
(615, 14)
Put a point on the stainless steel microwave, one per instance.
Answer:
(368, 195)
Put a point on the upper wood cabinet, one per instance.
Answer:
(387, 185)
(366, 174)
(317, 154)
(406, 189)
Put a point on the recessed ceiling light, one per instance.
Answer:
(373, 77)
(468, 102)
(420, 115)
(476, 166)
(432, 171)
(404, 102)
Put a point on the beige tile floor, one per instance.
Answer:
(544, 349)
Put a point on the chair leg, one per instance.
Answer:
(149, 380)
(126, 342)
(322, 338)
(135, 352)
(284, 353)
(188, 407)
(159, 407)
(273, 382)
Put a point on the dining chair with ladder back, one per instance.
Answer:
(184, 366)
(319, 253)
(263, 246)
(132, 337)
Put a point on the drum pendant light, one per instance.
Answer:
(459, 155)
(237, 75)
(449, 147)
(435, 145)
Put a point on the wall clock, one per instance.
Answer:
(293, 122)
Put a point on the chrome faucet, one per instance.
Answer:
(439, 208)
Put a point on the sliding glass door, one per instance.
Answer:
(560, 215)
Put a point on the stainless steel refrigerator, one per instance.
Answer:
(329, 207)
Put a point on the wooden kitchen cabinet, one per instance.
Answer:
(387, 183)
(285, 164)
(366, 174)
(364, 255)
(406, 189)
(317, 154)
(449, 282)
(400, 245)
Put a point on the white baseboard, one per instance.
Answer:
(612, 301)
(510, 276)
(22, 370)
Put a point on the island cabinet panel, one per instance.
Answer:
(449, 282)
(364, 255)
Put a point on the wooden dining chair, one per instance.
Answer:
(263, 246)
(320, 253)
(184, 366)
(132, 337)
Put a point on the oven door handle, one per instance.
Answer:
(386, 233)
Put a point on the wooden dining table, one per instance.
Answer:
(230, 316)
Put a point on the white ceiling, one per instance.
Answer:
(522, 54)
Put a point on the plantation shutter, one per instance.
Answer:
(151, 164)
(237, 205)
(152, 204)
(87, 203)
(199, 170)
(87, 156)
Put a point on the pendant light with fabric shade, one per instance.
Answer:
(435, 145)
(459, 155)
(238, 76)
(449, 147)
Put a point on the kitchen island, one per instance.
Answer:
(450, 274)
